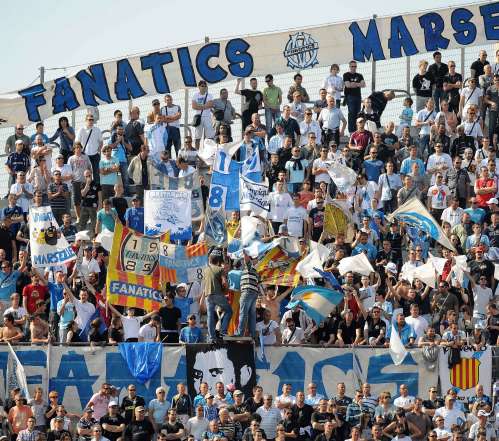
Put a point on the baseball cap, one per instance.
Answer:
(238, 392)
(58, 419)
(283, 229)
(19, 141)
(88, 409)
(112, 403)
(140, 409)
(182, 285)
(136, 198)
(391, 267)
(155, 101)
(59, 156)
(492, 201)
(483, 413)
(209, 396)
(192, 316)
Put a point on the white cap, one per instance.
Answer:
(391, 267)
(492, 201)
(483, 413)
(112, 403)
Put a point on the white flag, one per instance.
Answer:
(397, 349)
(358, 264)
(16, 377)
(314, 259)
(253, 196)
(344, 177)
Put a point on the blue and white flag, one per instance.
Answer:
(143, 359)
(168, 210)
(214, 229)
(102, 328)
(15, 375)
(343, 177)
(414, 213)
(224, 188)
(253, 196)
(190, 183)
(316, 301)
(329, 277)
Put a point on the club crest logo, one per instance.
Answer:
(301, 51)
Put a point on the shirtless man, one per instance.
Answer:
(272, 302)
(9, 333)
(39, 329)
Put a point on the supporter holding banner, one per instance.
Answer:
(133, 272)
(168, 210)
(169, 70)
(48, 245)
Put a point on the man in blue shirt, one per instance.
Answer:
(406, 167)
(477, 214)
(191, 333)
(405, 331)
(362, 245)
(134, 217)
(120, 147)
(17, 161)
(373, 166)
(8, 281)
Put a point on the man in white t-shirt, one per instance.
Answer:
(470, 95)
(88, 263)
(450, 414)
(296, 218)
(131, 323)
(319, 168)
(151, 331)
(90, 138)
(482, 295)
(404, 401)
(438, 162)
(280, 202)
(453, 213)
(268, 330)
(202, 102)
(418, 323)
(84, 309)
(438, 197)
(292, 335)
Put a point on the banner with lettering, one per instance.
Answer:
(253, 196)
(475, 367)
(133, 273)
(167, 70)
(168, 210)
(48, 245)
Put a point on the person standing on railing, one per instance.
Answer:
(253, 100)
(334, 84)
(297, 87)
(438, 71)
(66, 134)
(134, 131)
(353, 81)
(17, 161)
(90, 138)
(18, 135)
(171, 114)
(272, 99)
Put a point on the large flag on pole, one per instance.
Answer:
(15, 375)
(414, 213)
(316, 301)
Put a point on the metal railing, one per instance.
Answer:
(395, 74)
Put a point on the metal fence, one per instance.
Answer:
(389, 74)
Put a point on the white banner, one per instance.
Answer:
(168, 210)
(168, 70)
(48, 245)
(253, 196)
(474, 368)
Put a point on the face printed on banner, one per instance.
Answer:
(214, 365)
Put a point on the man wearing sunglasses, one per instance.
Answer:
(90, 137)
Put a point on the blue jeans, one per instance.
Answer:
(124, 177)
(173, 138)
(212, 302)
(354, 104)
(438, 95)
(247, 313)
(271, 115)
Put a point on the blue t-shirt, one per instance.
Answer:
(371, 250)
(111, 178)
(8, 284)
(296, 176)
(184, 304)
(107, 219)
(56, 294)
(191, 335)
(234, 277)
(406, 167)
(477, 215)
(68, 316)
(373, 168)
(13, 212)
(135, 218)
(119, 152)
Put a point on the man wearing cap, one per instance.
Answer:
(158, 409)
(84, 426)
(134, 216)
(58, 432)
(191, 333)
(139, 429)
(113, 424)
(210, 409)
(482, 425)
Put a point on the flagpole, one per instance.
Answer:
(48, 350)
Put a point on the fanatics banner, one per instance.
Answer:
(167, 70)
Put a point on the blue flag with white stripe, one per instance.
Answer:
(316, 301)
(102, 328)
(329, 277)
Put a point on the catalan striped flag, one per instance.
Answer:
(465, 374)
(316, 301)
(182, 264)
(276, 267)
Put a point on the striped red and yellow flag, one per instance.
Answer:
(277, 268)
(198, 249)
(465, 374)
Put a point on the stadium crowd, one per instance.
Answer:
(441, 151)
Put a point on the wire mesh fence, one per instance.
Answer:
(387, 74)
